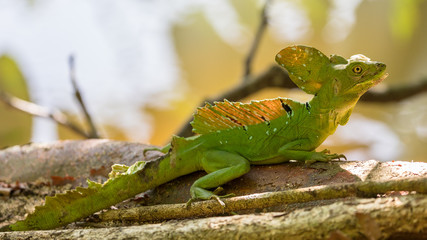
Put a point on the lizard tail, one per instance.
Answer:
(124, 182)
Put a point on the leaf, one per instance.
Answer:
(16, 126)
(404, 18)
(11, 78)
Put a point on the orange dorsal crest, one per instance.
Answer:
(226, 115)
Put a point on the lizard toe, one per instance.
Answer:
(218, 199)
(189, 202)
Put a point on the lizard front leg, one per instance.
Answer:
(221, 167)
(292, 151)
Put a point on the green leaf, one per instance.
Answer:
(404, 18)
(15, 126)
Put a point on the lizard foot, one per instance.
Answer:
(217, 198)
(213, 195)
(220, 190)
(324, 156)
(188, 203)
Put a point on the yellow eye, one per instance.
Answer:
(357, 69)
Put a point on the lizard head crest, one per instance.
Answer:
(305, 65)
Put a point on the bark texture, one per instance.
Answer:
(383, 218)
(393, 215)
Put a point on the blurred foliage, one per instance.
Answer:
(387, 30)
(317, 11)
(404, 18)
(15, 126)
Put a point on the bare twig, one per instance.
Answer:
(251, 54)
(56, 115)
(40, 111)
(263, 200)
(93, 133)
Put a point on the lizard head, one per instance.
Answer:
(315, 73)
(357, 75)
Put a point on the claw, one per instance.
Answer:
(228, 195)
(218, 200)
(188, 204)
(218, 190)
(214, 197)
(326, 151)
(324, 156)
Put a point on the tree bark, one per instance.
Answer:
(383, 218)
(390, 216)
(79, 159)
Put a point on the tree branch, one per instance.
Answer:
(40, 111)
(386, 218)
(264, 200)
(251, 54)
(56, 115)
(93, 133)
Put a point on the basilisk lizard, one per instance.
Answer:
(232, 136)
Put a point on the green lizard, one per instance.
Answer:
(232, 136)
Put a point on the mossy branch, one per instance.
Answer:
(402, 217)
(263, 200)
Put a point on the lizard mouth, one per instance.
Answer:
(380, 75)
(381, 78)
(364, 86)
(381, 72)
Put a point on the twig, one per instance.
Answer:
(93, 133)
(251, 54)
(263, 200)
(40, 111)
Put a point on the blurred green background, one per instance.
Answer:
(210, 52)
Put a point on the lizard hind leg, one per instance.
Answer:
(221, 167)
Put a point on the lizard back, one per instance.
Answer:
(226, 115)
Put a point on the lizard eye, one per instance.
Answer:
(357, 69)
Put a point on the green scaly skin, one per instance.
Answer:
(280, 130)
